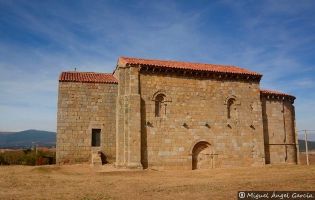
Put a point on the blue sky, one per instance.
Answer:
(39, 39)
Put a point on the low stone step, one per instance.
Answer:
(96, 159)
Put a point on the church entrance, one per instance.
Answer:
(202, 156)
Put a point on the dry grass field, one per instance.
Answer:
(86, 182)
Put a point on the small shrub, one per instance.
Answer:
(2, 160)
(27, 157)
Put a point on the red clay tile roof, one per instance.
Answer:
(187, 65)
(275, 93)
(87, 77)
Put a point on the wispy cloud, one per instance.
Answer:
(41, 39)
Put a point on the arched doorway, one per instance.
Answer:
(202, 156)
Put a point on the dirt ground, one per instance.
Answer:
(86, 182)
(311, 158)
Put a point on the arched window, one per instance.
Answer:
(230, 107)
(159, 100)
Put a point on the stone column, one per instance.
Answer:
(128, 153)
(134, 120)
(120, 119)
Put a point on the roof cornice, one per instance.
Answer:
(87, 77)
(200, 68)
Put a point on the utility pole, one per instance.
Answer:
(306, 147)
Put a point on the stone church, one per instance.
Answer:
(173, 115)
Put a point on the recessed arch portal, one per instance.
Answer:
(202, 156)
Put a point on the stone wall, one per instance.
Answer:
(279, 131)
(82, 107)
(195, 110)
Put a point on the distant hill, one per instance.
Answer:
(310, 144)
(1, 133)
(28, 138)
(310, 137)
